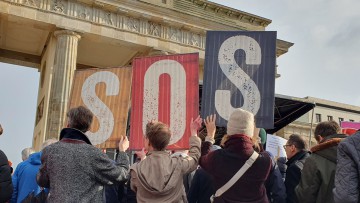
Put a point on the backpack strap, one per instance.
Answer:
(238, 175)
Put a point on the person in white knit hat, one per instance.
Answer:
(222, 164)
(241, 122)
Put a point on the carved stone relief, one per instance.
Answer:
(154, 29)
(194, 39)
(120, 20)
(108, 19)
(174, 34)
(33, 3)
(59, 6)
(82, 12)
(133, 24)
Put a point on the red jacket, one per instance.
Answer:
(222, 164)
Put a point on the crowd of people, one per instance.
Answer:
(239, 169)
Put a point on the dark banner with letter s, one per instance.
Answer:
(239, 72)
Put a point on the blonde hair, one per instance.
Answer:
(224, 139)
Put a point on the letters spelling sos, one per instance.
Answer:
(228, 65)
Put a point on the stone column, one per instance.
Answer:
(62, 78)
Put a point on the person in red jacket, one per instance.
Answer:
(222, 164)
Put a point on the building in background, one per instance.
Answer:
(324, 110)
(56, 37)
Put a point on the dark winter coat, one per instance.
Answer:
(202, 187)
(24, 178)
(222, 164)
(347, 170)
(317, 178)
(76, 171)
(281, 162)
(275, 187)
(6, 187)
(293, 174)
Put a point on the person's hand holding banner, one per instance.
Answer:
(123, 144)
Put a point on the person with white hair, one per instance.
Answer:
(24, 178)
(25, 153)
(238, 156)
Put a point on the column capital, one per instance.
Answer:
(66, 32)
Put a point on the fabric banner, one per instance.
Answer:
(106, 92)
(239, 72)
(349, 127)
(348, 124)
(166, 89)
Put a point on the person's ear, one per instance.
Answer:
(293, 148)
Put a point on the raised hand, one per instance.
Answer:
(123, 144)
(210, 125)
(195, 125)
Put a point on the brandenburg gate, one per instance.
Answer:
(59, 36)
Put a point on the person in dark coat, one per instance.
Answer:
(222, 164)
(275, 187)
(202, 185)
(6, 188)
(347, 180)
(281, 162)
(317, 179)
(296, 153)
(274, 184)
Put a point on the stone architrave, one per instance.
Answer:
(63, 73)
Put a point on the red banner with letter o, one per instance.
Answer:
(164, 88)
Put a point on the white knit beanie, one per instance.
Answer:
(241, 122)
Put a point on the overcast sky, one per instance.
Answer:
(323, 63)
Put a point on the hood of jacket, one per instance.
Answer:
(158, 173)
(75, 134)
(327, 148)
(35, 158)
(240, 144)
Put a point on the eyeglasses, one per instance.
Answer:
(286, 145)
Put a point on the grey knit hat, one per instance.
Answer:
(241, 122)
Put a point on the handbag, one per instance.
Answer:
(236, 177)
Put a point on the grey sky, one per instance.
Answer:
(323, 63)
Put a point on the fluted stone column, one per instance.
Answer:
(63, 73)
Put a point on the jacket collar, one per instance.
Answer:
(157, 152)
(75, 134)
(239, 143)
(298, 156)
(330, 141)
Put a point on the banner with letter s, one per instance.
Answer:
(239, 72)
(106, 93)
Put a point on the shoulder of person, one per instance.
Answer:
(299, 164)
(134, 166)
(265, 156)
